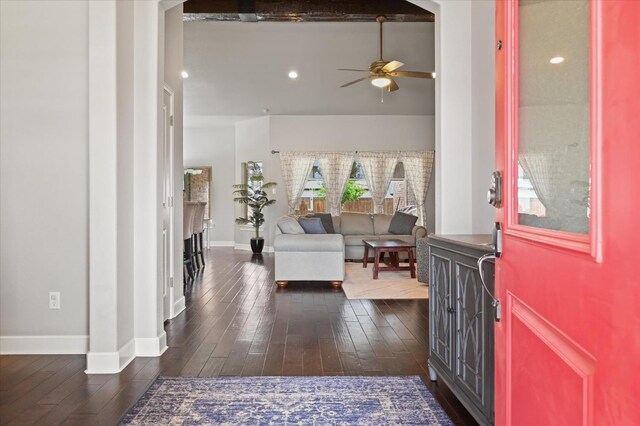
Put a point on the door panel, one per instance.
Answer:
(470, 333)
(442, 303)
(472, 365)
(567, 347)
(568, 369)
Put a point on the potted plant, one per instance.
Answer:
(253, 194)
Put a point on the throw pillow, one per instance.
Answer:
(327, 221)
(402, 223)
(312, 225)
(289, 225)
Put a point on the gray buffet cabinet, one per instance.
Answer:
(461, 321)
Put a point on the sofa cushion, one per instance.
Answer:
(402, 223)
(309, 243)
(356, 240)
(312, 225)
(381, 223)
(290, 225)
(327, 222)
(356, 224)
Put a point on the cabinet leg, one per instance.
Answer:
(433, 376)
(282, 283)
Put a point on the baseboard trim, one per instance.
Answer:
(151, 346)
(44, 345)
(110, 362)
(247, 247)
(178, 307)
(221, 243)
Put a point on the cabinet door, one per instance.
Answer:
(472, 370)
(441, 309)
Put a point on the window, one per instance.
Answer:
(356, 198)
(312, 201)
(528, 201)
(399, 195)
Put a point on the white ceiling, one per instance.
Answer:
(237, 69)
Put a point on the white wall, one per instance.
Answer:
(44, 174)
(215, 147)
(483, 112)
(465, 113)
(124, 175)
(173, 65)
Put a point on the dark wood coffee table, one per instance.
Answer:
(393, 247)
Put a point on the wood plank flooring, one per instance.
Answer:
(237, 322)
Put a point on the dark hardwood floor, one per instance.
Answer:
(237, 322)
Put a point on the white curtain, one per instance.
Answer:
(538, 167)
(417, 171)
(335, 168)
(378, 170)
(296, 167)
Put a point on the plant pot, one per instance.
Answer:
(257, 244)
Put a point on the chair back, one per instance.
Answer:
(198, 219)
(188, 213)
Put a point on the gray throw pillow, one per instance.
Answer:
(289, 225)
(402, 223)
(327, 221)
(312, 225)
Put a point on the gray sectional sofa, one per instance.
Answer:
(320, 257)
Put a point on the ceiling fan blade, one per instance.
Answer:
(351, 69)
(356, 81)
(393, 86)
(393, 65)
(415, 74)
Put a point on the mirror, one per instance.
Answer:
(197, 187)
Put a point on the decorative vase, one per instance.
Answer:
(257, 244)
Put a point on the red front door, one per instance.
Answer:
(568, 146)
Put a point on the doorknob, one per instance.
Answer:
(494, 194)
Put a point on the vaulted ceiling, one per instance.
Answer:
(240, 68)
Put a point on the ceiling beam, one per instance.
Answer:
(304, 11)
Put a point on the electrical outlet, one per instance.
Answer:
(54, 300)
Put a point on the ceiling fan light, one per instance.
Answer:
(381, 82)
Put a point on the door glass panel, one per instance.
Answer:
(553, 115)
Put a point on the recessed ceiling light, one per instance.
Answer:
(293, 75)
(184, 74)
(381, 82)
(556, 60)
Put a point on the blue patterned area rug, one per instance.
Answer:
(336, 400)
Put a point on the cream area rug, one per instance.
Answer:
(359, 284)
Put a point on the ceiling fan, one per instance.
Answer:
(381, 72)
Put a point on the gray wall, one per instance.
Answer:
(44, 167)
(215, 147)
(252, 144)
(257, 137)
